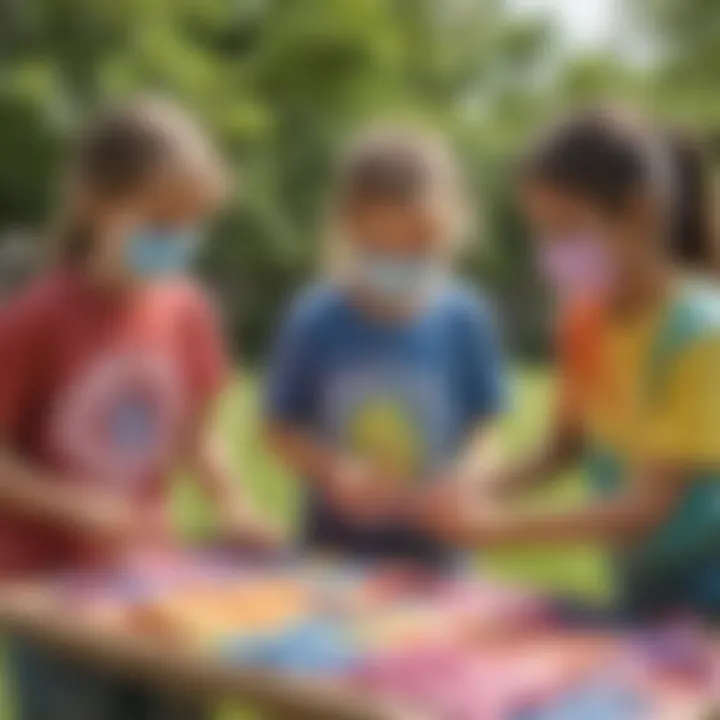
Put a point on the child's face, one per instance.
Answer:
(406, 230)
(156, 232)
(583, 249)
(398, 249)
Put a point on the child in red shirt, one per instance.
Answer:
(109, 366)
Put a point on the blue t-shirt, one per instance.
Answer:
(406, 395)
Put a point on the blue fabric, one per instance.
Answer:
(424, 384)
(48, 686)
(600, 698)
(316, 647)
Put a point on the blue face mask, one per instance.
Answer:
(394, 280)
(153, 253)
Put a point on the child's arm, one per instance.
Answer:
(293, 392)
(351, 486)
(482, 455)
(239, 519)
(559, 451)
(480, 374)
(476, 466)
(28, 491)
(307, 457)
(563, 445)
(205, 455)
(679, 439)
(650, 497)
(482, 476)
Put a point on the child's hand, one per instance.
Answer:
(447, 494)
(245, 526)
(117, 524)
(435, 509)
(105, 519)
(450, 512)
(361, 492)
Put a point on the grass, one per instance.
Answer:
(576, 570)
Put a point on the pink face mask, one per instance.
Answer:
(575, 266)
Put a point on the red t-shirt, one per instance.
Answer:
(101, 390)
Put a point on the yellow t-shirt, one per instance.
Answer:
(649, 391)
(686, 424)
(609, 385)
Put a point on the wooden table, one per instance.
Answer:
(185, 672)
(182, 671)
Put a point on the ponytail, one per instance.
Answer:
(608, 158)
(116, 157)
(691, 230)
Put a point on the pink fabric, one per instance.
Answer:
(575, 266)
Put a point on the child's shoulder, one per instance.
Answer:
(687, 347)
(699, 308)
(315, 312)
(315, 305)
(693, 323)
(462, 302)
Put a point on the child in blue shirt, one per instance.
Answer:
(387, 374)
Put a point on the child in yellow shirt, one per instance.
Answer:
(619, 210)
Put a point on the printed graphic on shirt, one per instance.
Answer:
(383, 432)
(119, 419)
(396, 419)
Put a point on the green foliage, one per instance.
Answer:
(280, 83)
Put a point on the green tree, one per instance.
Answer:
(280, 83)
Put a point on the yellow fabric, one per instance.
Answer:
(680, 421)
(383, 433)
(614, 401)
(686, 425)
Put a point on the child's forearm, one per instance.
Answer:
(210, 467)
(481, 457)
(601, 522)
(531, 471)
(309, 458)
(24, 490)
(238, 518)
(560, 449)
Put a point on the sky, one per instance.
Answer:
(587, 23)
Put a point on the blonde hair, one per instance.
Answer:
(122, 150)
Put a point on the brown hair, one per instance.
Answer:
(394, 165)
(391, 164)
(119, 152)
(608, 157)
